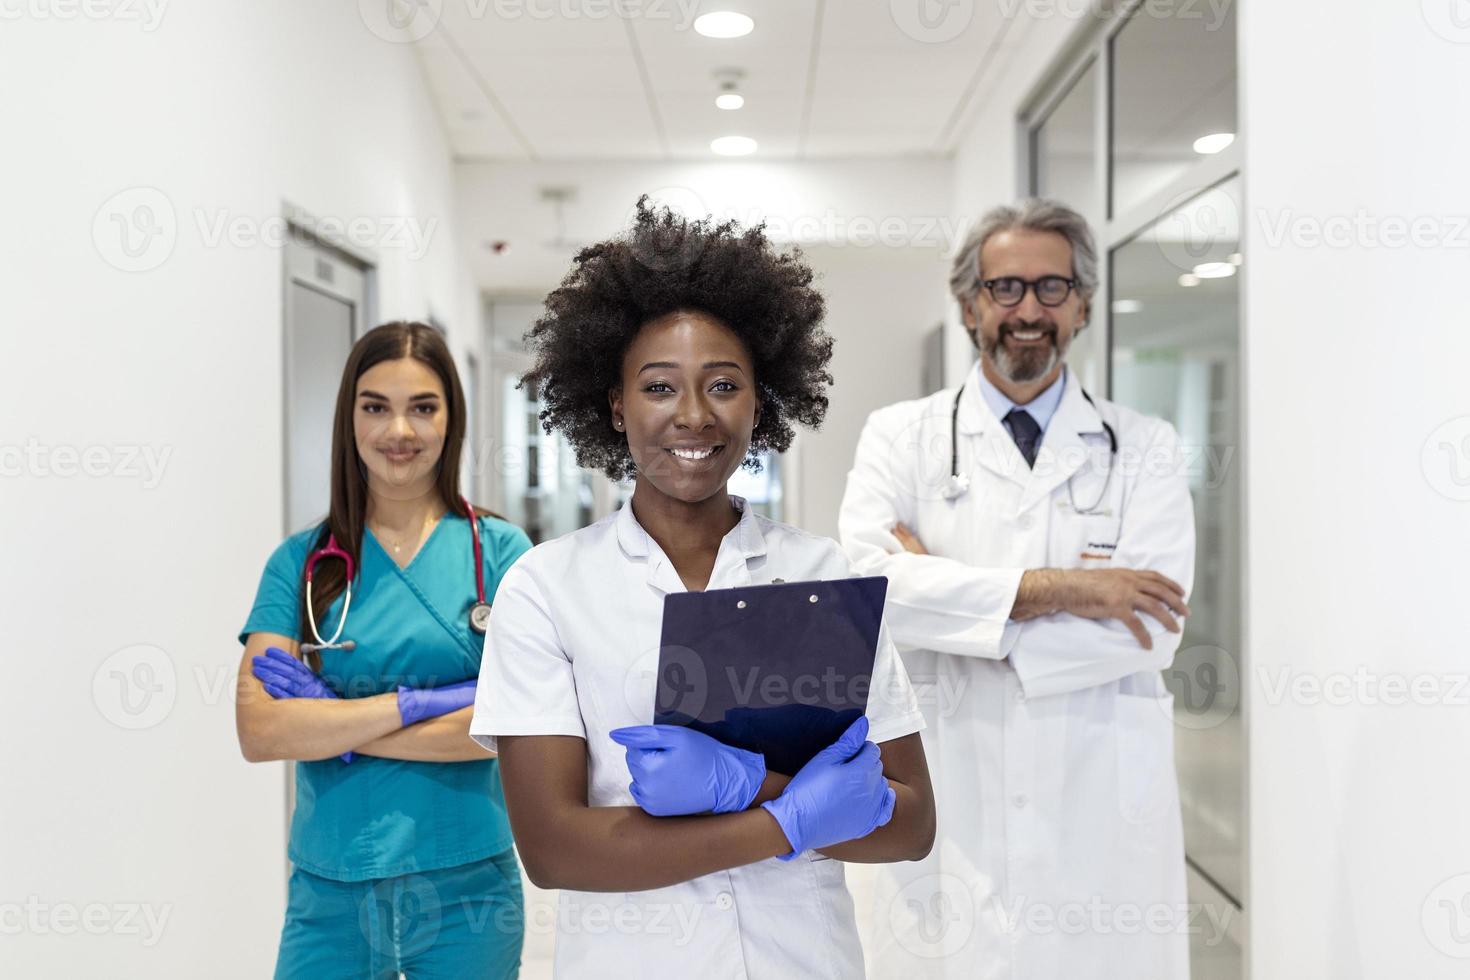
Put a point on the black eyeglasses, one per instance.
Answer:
(1010, 290)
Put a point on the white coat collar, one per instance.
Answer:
(745, 539)
(1063, 449)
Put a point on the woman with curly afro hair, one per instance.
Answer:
(672, 355)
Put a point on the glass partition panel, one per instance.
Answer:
(1173, 95)
(1065, 148)
(1175, 354)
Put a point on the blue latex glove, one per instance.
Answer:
(417, 703)
(840, 795)
(677, 771)
(283, 676)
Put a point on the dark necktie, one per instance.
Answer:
(1025, 431)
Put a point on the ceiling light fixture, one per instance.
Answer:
(1213, 143)
(1214, 270)
(724, 24)
(1126, 306)
(1188, 280)
(733, 146)
(728, 79)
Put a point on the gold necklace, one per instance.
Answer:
(423, 532)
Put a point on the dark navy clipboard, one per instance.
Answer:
(778, 669)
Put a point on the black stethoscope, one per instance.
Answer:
(959, 483)
(479, 612)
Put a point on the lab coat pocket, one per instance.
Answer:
(1083, 540)
(1144, 735)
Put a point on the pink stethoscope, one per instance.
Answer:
(479, 612)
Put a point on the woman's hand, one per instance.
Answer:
(678, 771)
(840, 795)
(416, 704)
(283, 676)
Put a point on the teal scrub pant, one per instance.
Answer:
(466, 921)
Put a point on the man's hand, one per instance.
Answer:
(1103, 593)
(1093, 593)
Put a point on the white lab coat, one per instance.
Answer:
(573, 650)
(1059, 850)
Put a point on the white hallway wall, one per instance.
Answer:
(1358, 501)
(226, 110)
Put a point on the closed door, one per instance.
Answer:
(325, 310)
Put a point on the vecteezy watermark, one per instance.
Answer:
(1363, 229)
(942, 692)
(138, 686)
(148, 14)
(682, 13)
(406, 21)
(1211, 13)
(625, 917)
(393, 231)
(1209, 921)
(932, 21)
(936, 915)
(135, 687)
(933, 916)
(38, 918)
(859, 230)
(401, 917)
(1445, 459)
(1206, 684)
(137, 229)
(1364, 688)
(39, 460)
(1450, 19)
(400, 21)
(1445, 916)
(925, 445)
(1198, 228)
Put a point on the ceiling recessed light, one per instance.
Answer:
(1236, 258)
(1214, 270)
(1188, 280)
(1126, 306)
(733, 146)
(724, 24)
(1213, 143)
(729, 100)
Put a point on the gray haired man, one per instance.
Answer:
(1039, 547)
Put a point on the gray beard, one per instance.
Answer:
(1022, 368)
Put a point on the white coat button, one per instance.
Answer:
(1019, 801)
(1027, 522)
(724, 900)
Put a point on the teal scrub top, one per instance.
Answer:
(378, 818)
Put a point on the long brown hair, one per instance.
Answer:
(348, 514)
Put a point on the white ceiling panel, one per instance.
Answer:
(572, 79)
(583, 128)
(474, 127)
(530, 26)
(563, 74)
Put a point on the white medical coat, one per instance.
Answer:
(1050, 742)
(573, 650)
